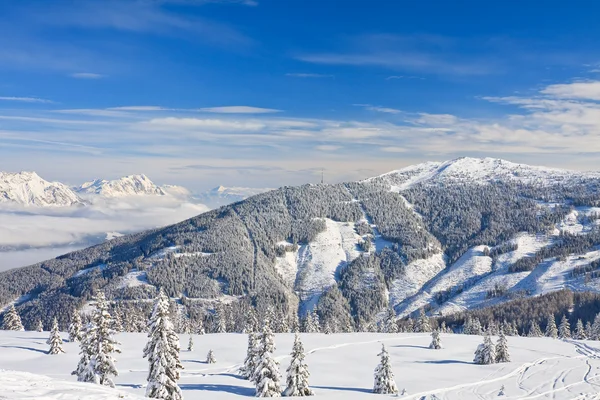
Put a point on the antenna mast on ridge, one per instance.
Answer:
(322, 175)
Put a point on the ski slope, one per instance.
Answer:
(341, 367)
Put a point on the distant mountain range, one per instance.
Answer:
(440, 237)
(29, 189)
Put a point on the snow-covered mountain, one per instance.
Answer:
(125, 186)
(222, 195)
(444, 237)
(28, 189)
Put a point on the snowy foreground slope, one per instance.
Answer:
(341, 367)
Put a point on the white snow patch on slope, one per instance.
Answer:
(134, 278)
(23, 385)
(319, 261)
(88, 270)
(417, 273)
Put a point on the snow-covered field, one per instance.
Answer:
(341, 367)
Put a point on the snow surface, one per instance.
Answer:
(318, 263)
(341, 367)
(222, 195)
(126, 186)
(28, 189)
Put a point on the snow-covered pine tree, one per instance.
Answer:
(199, 326)
(384, 376)
(310, 326)
(390, 321)
(502, 354)
(468, 326)
(117, 321)
(580, 331)
(85, 371)
(564, 329)
(75, 327)
(422, 324)
(162, 352)
(251, 325)
(190, 344)
(210, 357)
(266, 373)
(327, 328)
(12, 320)
(476, 328)
(443, 327)
(435, 340)
(410, 325)
(220, 320)
(551, 330)
(102, 345)
(588, 330)
(247, 370)
(40, 326)
(315, 321)
(55, 340)
(297, 372)
(595, 329)
(534, 329)
(486, 352)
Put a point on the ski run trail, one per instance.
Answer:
(341, 367)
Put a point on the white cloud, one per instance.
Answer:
(25, 99)
(308, 75)
(327, 147)
(578, 90)
(239, 110)
(139, 108)
(394, 149)
(379, 109)
(87, 75)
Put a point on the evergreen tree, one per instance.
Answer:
(316, 324)
(40, 326)
(85, 371)
(190, 344)
(297, 372)
(486, 352)
(55, 340)
(476, 328)
(422, 324)
(390, 321)
(384, 376)
(564, 329)
(551, 330)
(75, 327)
(595, 329)
(210, 358)
(220, 320)
(311, 323)
(266, 374)
(247, 370)
(200, 327)
(534, 330)
(12, 320)
(251, 322)
(117, 321)
(580, 331)
(443, 328)
(101, 344)
(162, 352)
(588, 330)
(502, 354)
(435, 340)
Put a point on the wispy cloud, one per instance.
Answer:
(239, 110)
(394, 77)
(25, 99)
(139, 108)
(578, 90)
(379, 109)
(327, 147)
(87, 75)
(308, 75)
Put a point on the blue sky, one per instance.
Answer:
(268, 92)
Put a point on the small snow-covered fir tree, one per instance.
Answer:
(162, 352)
(297, 372)
(251, 325)
(422, 324)
(85, 371)
(102, 345)
(486, 352)
(435, 340)
(12, 320)
(534, 329)
(316, 323)
(580, 331)
(40, 326)
(75, 327)
(210, 358)
(384, 376)
(55, 340)
(391, 326)
(502, 354)
(190, 344)
(590, 330)
(476, 328)
(199, 327)
(266, 373)
(220, 320)
(443, 327)
(551, 330)
(564, 329)
(247, 370)
(117, 321)
(311, 323)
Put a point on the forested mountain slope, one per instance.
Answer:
(436, 236)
